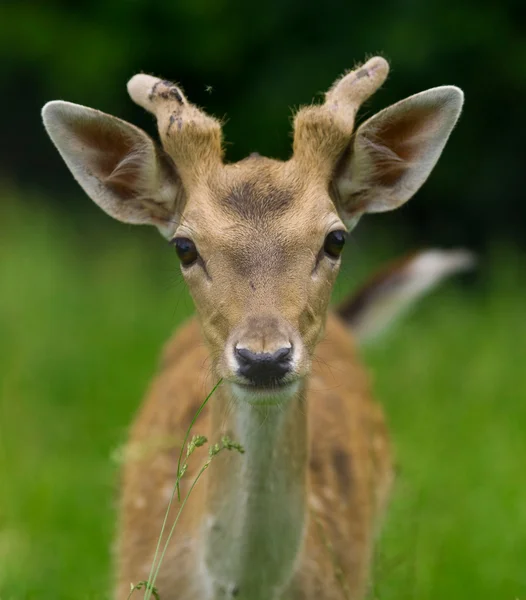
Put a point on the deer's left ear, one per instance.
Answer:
(393, 153)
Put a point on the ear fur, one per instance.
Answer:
(392, 154)
(117, 164)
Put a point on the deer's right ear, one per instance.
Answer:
(392, 154)
(117, 164)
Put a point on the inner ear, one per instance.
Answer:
(396, 143)
(117, 157)
(108, 146)
(120, 175)
(126, 176)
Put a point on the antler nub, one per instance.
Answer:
(354, 88)
(322, 132)
(190, 136)
(148, 91)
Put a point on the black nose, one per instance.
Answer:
(263, 368)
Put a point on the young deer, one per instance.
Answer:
(259, 243)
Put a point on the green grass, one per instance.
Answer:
(83, 314)
(453, 381)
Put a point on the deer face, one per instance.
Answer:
(260, 249)
(259, 241)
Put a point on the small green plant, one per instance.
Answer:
(197, 441)
(147, 586)
(188, 452)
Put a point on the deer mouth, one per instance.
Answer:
(269, 394)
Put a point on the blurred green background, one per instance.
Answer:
(86, 303)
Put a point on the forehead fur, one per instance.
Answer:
(258, 189)
(259, 193)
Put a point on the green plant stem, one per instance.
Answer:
(146, 585)
(225, 444)
(161, 558)
(176, 486)
(186, 439)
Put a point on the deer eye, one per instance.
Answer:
(186, 251)
(334, 243)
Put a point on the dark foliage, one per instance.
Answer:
(256, 61)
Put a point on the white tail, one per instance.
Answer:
(393, 291)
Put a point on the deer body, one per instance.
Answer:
(315, 475)
(259, 243)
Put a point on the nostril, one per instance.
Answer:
(283, 354)
(244, 355)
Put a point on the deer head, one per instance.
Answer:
(259, 241)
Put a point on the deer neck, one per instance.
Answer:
(255, 509)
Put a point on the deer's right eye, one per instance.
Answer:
(334, 243)
(186, 251)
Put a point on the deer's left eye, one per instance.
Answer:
(334, 243)
(186, 251)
